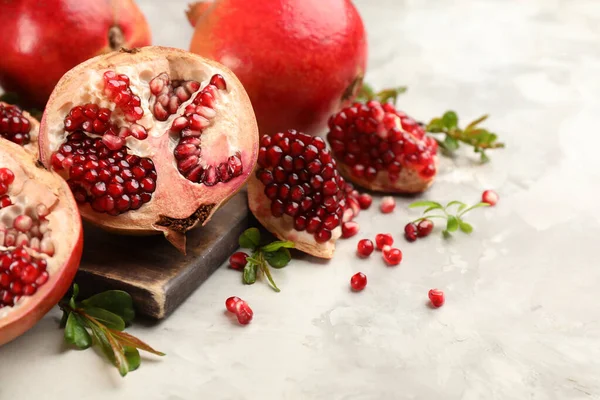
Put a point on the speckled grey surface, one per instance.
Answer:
(522, 319)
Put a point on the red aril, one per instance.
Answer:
(364, 200)
(238, 260)
(307, 62)
(349, 229)
(231, 302)
(424, 227)
(392, 256)
(358, 281)
(42, 40)
(298, 194)
(40, 240)
(19, 127)
(490, 197)
(243, 312)
(411, 231)
(383, 239)
(436, 296)
(382, 149)
(364, 248)
(150, 140)
(387, 205)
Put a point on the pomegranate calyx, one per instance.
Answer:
(196, 10)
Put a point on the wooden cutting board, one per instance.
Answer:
(157, 276)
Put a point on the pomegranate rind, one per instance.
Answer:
(192, 204)
(283, 227)
(68, 236)
(409, 180)
(32, 146)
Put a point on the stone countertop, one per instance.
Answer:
(521, 319)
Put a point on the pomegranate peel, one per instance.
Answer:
(170, 136)
(18, 126)
(40, 242)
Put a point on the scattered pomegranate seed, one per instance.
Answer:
(490, 197)
(358, 281)
(387, 204)
(243, 312)
(231, 302)
(436, 296)
(410, 232)
(383, 239)
(364, 248)
(349, 229)
(424, 228)
(392, 256)
(365, 201)
(238, 260)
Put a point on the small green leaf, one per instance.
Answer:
(74, 296)
(267, 273)
(75, 332)
(391, 94)
(249, 275)
(465, 227)
(478, 205)
(250, 239)
(279, 258)
(476, 122)
(425, 203)
(450, 143)
(431, 209)
(366, 92)
(446, 234)
(129, 340)
(452, 224)
(63, 319)
(132, 355)
(274, 246)
(435, 126)
(455, 202)
(100, 338)
(450, 119)
(116, 301)
(483, 157)
(119, 354)
(106, 318)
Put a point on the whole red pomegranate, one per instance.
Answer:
(40, 240)
(41, 40)
(150, 140)
(299, 60)
(19, 127)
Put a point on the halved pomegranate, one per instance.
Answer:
(150, 140)
(298, 194)
(19, 127)
(40, 240)
(382, 149)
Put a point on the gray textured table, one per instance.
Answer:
(522, 319)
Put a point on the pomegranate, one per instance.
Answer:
(298, 194)
(41, 40)
(40, 240)
(382, 149)
(306, 61)
(19, 127)
(150, 140)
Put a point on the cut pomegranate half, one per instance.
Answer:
(298, 194)
(150, 140)
(382, 149)
(19, 127)
(40, 240)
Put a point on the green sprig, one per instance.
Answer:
(100, 320)
(453, 212)
(274, 254)
(367, 93)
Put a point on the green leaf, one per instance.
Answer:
(132, 355)
(455, 202)
(116, 301)
(74, 296)
(120, 360)
(452, 224)
(366, 92)
(476, 122)
(267, 273)
(450, 119)
(63, 319)
(75, 332)
(106, 318)
(391, 94)
(430, 209)
(465, 227)
(250, 239)
(435, 126)
(101, 339)
(478, 205)
(274, 246)
(483, 157)
(446, 234)
(450, 143)
(250, 270)
(425, 203)
(132, 341)
(279, 258)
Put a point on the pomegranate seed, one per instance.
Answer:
(392, 256)
(23, 223)
(365, 201)
(13, 125)
(238, 260)
(424, 228)
(358, 281)
(387, 204)
(6, 176)
(364, 248)
(231, 302)
(410, 232)
(490, 197)
(383, 239)
(243, 312)
(349, 229)
(436, 296)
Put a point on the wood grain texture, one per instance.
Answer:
(157, 276)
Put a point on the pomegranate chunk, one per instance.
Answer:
(14, 126)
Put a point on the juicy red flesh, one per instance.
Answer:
(364, 248)
(301, 180)
(112, 181)
(383, 239)
(358, 281)
(231, 302)
(170, 94)
(349, 229)
(196, 117)
(243, 312)
(20, 275)
(410, 232)
(392, 256)
(373, 137)
(424, 227)
(436, 296)
(238, 260)
(13, 125)
(117, 89)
